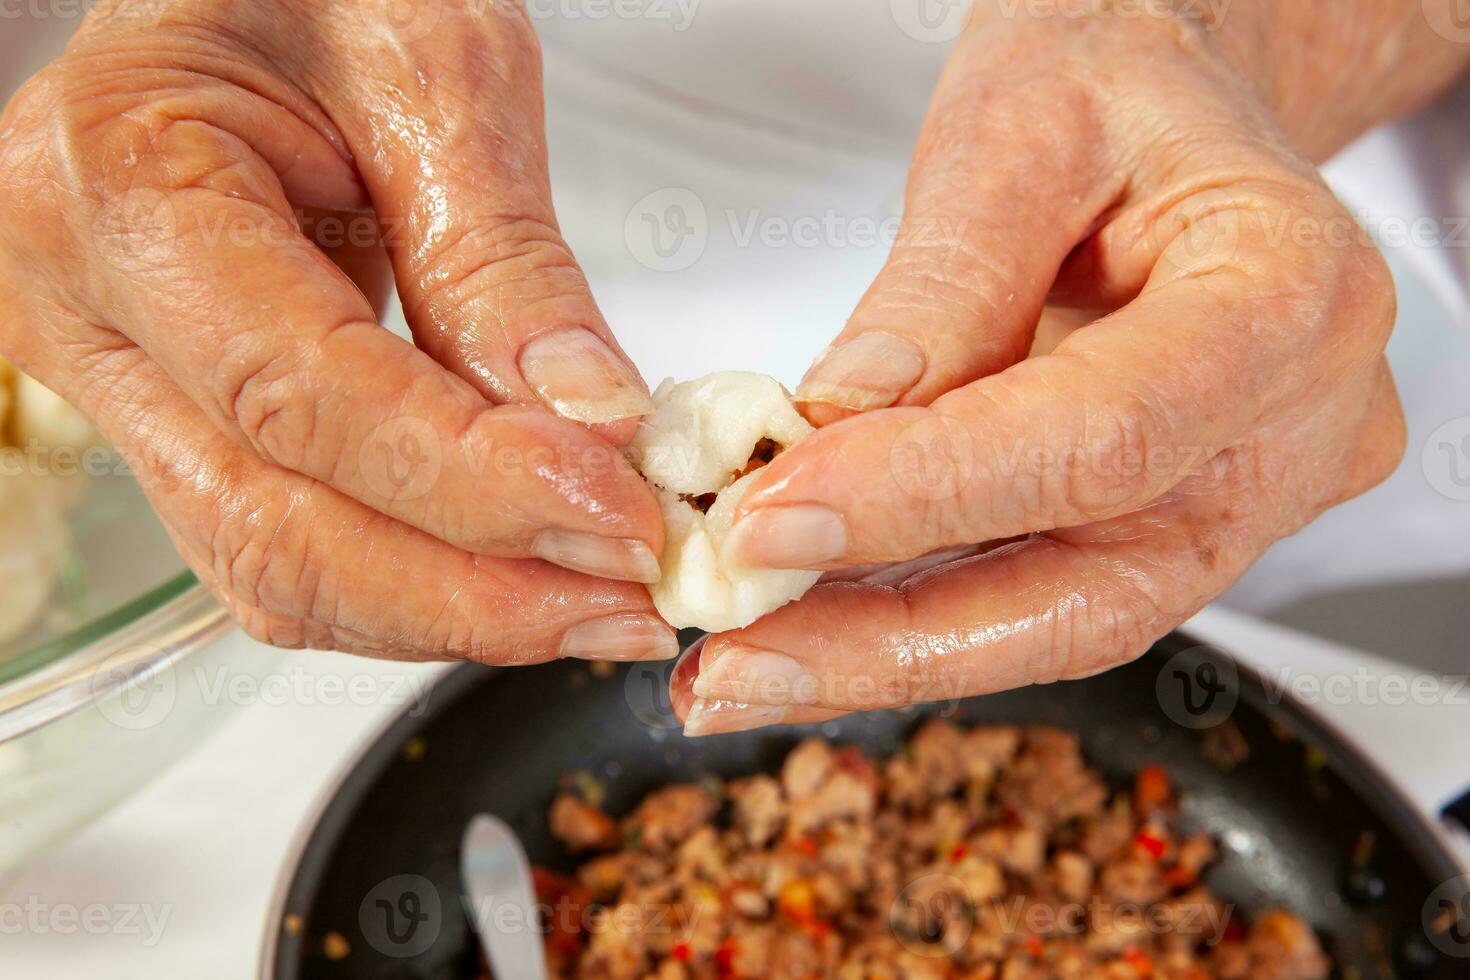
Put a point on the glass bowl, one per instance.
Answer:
(91, 703)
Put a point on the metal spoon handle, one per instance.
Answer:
(502, 899)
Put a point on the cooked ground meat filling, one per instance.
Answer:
(765, 451)
(991, 853)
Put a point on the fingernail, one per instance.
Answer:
(753, 676)
(681, 679)
(722, 717)
(798, 536)
(580, 377)
(870, 371)
(627, 636)
(627, 559)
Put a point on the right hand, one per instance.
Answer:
(336, 486)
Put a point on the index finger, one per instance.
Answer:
(489, 285)
(278, 347)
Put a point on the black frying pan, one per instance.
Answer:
(380, 870)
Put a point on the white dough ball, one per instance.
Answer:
(700, 435)
(698, 588)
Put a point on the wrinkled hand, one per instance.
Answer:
(1215, 376)
(168, 190)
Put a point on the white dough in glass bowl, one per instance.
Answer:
(33, 501)
(699, 438)
(42, 417)
(33, 547)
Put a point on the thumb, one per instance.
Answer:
(457, 171)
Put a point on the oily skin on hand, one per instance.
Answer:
(164, 184)
(1211, 376)
(164, 187)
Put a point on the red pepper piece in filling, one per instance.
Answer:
(1152, 844)
(1151, 790)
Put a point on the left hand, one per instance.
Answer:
(168, 263)
(1227, 387)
